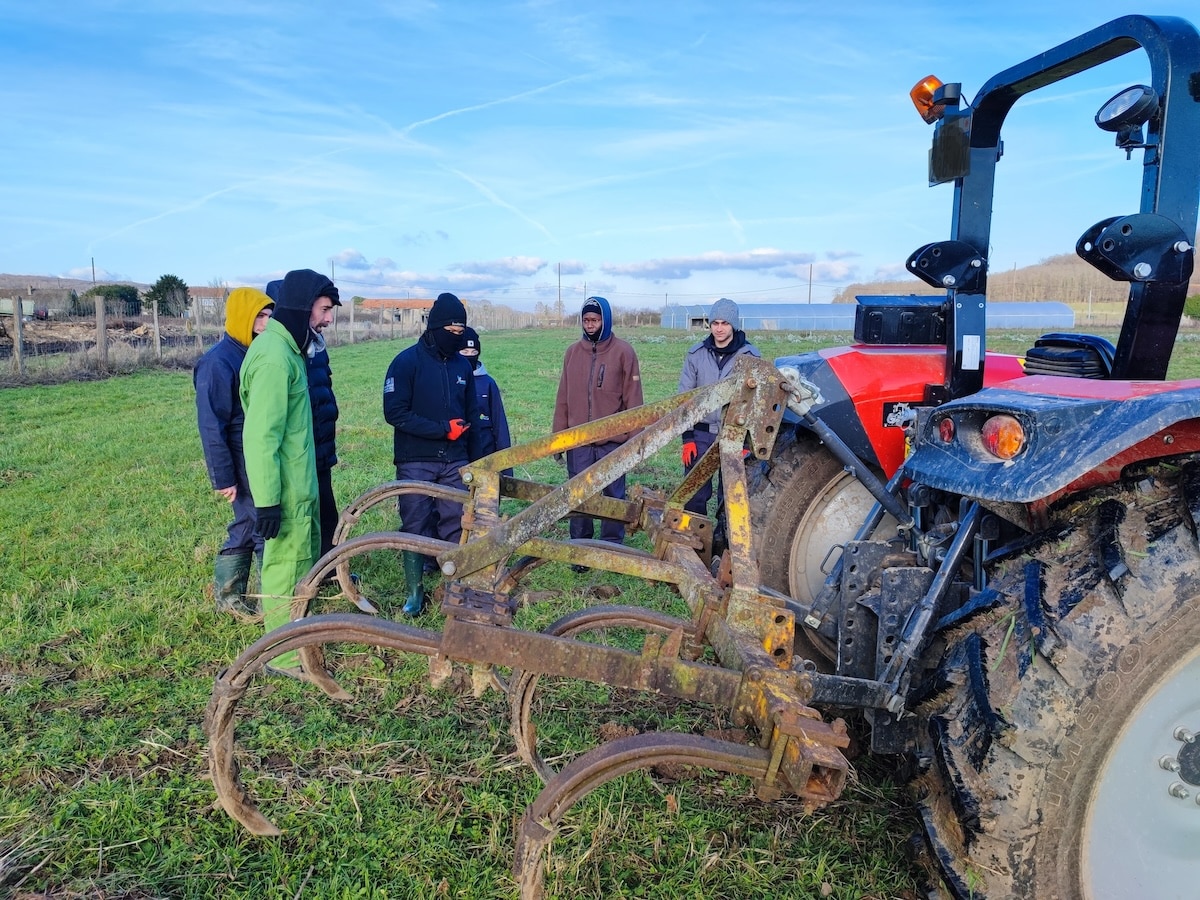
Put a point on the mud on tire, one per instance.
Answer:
(1054, 712)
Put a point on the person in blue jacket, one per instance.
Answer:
(324, 414)
(493, 423)
(220, 418)
(429, 400)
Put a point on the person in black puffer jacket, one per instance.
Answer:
(325, 416)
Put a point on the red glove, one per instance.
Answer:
(458, 428)
(689, 452)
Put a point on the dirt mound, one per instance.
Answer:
(39, 333)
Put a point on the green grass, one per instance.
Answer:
(109, 647)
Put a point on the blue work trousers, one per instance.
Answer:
(241, 537)
(425, 515)
(583, 527)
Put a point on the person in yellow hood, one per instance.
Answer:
(220, 418)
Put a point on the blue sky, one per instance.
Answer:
(652, 151)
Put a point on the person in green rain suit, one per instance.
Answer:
(278, 445)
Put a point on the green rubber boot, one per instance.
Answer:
(414, 567)
(231, 573)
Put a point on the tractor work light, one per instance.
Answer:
(1003, 436)
(1133, 107)
(922, 98)
(1126, 113)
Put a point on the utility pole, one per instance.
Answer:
(810, 284)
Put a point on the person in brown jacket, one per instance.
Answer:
(600, 376)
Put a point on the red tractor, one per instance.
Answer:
(1037, 615)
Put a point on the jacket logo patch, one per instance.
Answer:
(389, 385)
(459, 380)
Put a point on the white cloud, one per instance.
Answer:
(513, 266)
(680, 267)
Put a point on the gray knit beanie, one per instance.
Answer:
(725, 311)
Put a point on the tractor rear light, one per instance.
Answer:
(1003, 436)
(922, 98)
(946, 429)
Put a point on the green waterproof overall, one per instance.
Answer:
(281, 466)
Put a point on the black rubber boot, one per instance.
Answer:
(231, 573)
(414, 566)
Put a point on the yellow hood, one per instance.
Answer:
(242, 307)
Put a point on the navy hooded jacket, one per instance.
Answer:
(422, 392)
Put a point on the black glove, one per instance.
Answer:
(266, 521)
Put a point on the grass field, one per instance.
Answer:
(109, 646)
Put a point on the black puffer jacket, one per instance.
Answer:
(324, 404)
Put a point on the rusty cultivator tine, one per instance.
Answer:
(734, 654)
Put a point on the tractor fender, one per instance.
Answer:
(867, 390)
(1076, 430)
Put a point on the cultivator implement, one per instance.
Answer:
(734, 653)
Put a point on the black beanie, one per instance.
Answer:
(471, 338)
(447, 310)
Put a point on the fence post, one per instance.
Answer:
(157, 336)
(352, 320)
(101, 334)
(18, 337)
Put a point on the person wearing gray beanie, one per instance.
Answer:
(707, 362)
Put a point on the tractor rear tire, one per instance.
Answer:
(1063, 760)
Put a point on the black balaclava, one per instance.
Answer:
(471, 342)
(446, 310)
(297, 294)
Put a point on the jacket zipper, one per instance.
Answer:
(591, 380)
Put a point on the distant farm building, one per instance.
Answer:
(211, 297)
(40, 302)
(411, 315)
(1040, 315)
